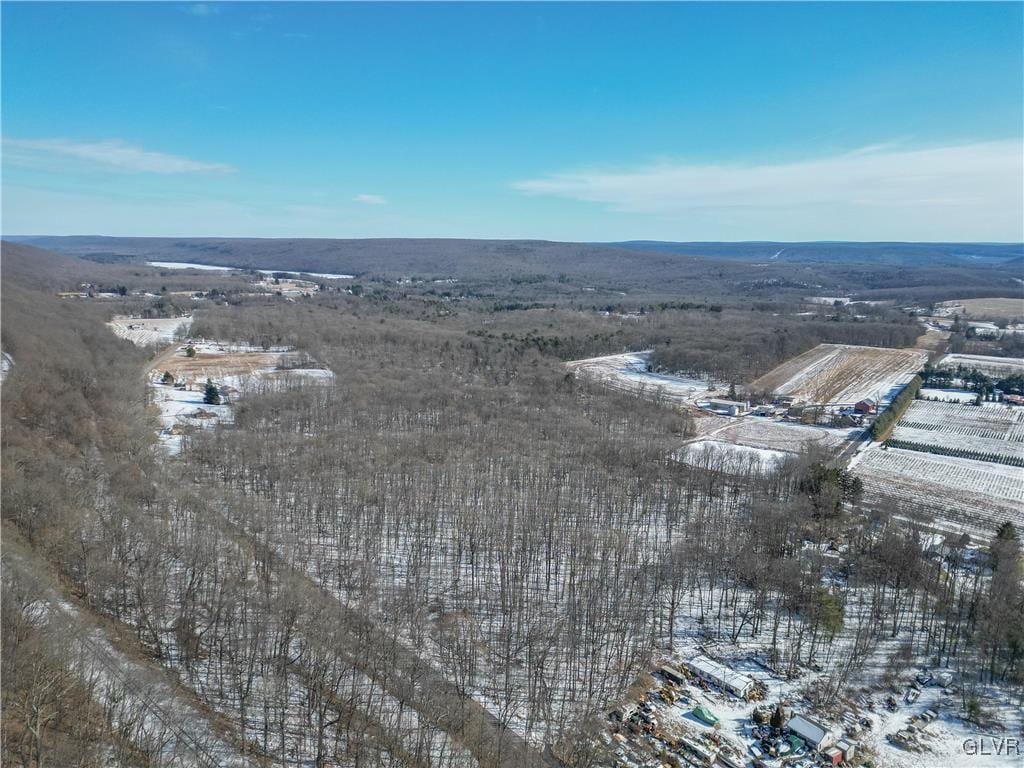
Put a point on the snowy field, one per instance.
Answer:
(991, 366)
(991, 420)
(188, 265)
(628, 373)
(148, 332)
(772, 434)
(1002, 307)
(949, 395)
(960, 495)
(215, 268)
(840, 374)
(730, 457)
(323, 275)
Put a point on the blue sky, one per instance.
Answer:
(573, 121)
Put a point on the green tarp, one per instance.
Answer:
(705, 715)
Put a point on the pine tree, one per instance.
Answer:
(211, 394)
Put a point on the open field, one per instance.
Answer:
(948, 395)
(730, 457)
(956, 495)
(840, 374)
(991, 366)
(214, 360)
(1008, 309)
(148, 331)
(628, 373)
(756, 444)
(772, 434)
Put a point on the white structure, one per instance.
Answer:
(718, 674)
(814, 733)
(731, 407)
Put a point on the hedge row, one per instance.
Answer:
(887, 419)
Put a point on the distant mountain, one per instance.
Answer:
(892, 254)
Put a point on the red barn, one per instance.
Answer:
(865, 406)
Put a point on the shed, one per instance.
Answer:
(718, 674)
(816, 735)
(835, 756)
(848, 748)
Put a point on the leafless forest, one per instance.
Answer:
(453, 553)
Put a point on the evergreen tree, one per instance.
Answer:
(211, 394)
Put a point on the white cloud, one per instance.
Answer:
(370, 199)
(966, 191)
(111, 154)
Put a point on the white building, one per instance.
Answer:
(814, 733)
(725, 678)
(730, 407)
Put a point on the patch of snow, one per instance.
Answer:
(189, 265)
(949, 395)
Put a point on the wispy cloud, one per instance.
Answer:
(977, 182)
(203, 9)
(370, 199)
(108, 155)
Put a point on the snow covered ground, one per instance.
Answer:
(628, 373)
(236, 369)
(779, 435)
(949, 395)
(6, 363)
(149, 331)
(731, 457)
(955, 495)
(991, 366)
(323, 275)
(188, 265)
(991, 420)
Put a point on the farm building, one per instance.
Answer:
(814, 733)
(718, 674)
(729, 407)
(867, 405)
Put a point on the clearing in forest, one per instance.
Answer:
(233, 368)
(1007, 309)
(841, 374)
(628, 373)
(148, 331)
(990, 366)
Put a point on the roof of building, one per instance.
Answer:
(711, 668)
(807, 729)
